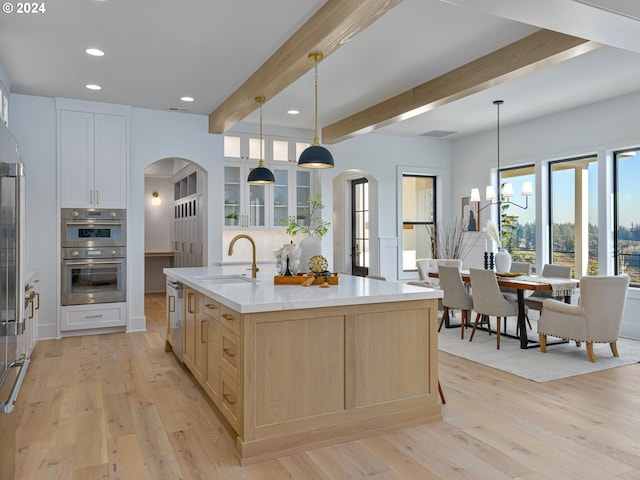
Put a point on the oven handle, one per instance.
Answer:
(7, 407)
(90, 264)
(93, 224)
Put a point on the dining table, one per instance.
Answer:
(561, 287)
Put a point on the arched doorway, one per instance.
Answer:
(175, 199)
(355, 236)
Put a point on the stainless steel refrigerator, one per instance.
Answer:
(12, 369)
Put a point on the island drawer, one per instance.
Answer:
(229, 353)
(230, 319)
(231, 401)
(211, 308)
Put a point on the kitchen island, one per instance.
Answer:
(293, 368)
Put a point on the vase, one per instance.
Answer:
(503, 260)
(309, 246)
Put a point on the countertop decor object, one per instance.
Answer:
(301, 278)
(318, 264)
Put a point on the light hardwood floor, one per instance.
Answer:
(119, 407)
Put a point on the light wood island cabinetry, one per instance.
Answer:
(299, 378)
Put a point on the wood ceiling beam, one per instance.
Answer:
(520, 58)
(333, 25)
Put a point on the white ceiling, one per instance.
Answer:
(158, 51)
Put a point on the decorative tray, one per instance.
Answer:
(302, 277)
(509, 274)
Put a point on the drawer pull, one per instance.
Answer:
(211, 306)
(203, 334)
(226, 316)
(229, 399)
(94, 316)
(228, 352)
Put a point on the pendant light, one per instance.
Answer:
(261, 175)
(316, 156)
(505, 192)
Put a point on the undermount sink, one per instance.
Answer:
(225, 279)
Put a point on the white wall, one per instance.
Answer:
(157, 220)
(384, 157)
(596, 129)
(32, 121)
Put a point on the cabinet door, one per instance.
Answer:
(212, 383)
(76, 141)
(281, 213)
(110, 178)
(189, 325)
(303, 193)
(199, 369)
(245, 206)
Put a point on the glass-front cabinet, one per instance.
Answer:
(264, 206)
(291, 194)
(245, 205)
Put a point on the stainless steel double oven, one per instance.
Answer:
(94, 256)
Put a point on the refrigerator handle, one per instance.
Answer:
(7, 407)
(19, 222)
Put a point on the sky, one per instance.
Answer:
(564, 191)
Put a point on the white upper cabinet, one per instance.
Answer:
(93, 160)
(263, 206)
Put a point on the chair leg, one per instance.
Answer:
(614, 349)
(445, 312)
(441, 393)
(475, 325)
(592, 357)
(498, 333)
(543, 342)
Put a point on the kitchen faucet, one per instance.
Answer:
(254, 266)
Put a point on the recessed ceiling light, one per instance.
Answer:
(186, 99)
(293, 112)
(93, 87)
(94, 52)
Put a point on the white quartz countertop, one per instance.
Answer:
(261, 295)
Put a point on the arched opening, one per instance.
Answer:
(175, 223)
(346, 240)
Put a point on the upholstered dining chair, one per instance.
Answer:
(596, 319)
(488, 300)
(511, 294)
(426, 266)
(537, 298)
(455, 295)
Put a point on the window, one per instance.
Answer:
(418, 217)
(573, 214)
(518, 213)
(627, 214)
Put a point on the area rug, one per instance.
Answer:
(560, 361)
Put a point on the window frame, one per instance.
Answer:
(402, 223)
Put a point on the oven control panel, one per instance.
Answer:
(93, 252)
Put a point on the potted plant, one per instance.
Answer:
(232, 219)
(314, 228)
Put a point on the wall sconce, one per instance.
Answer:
(156, 201)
